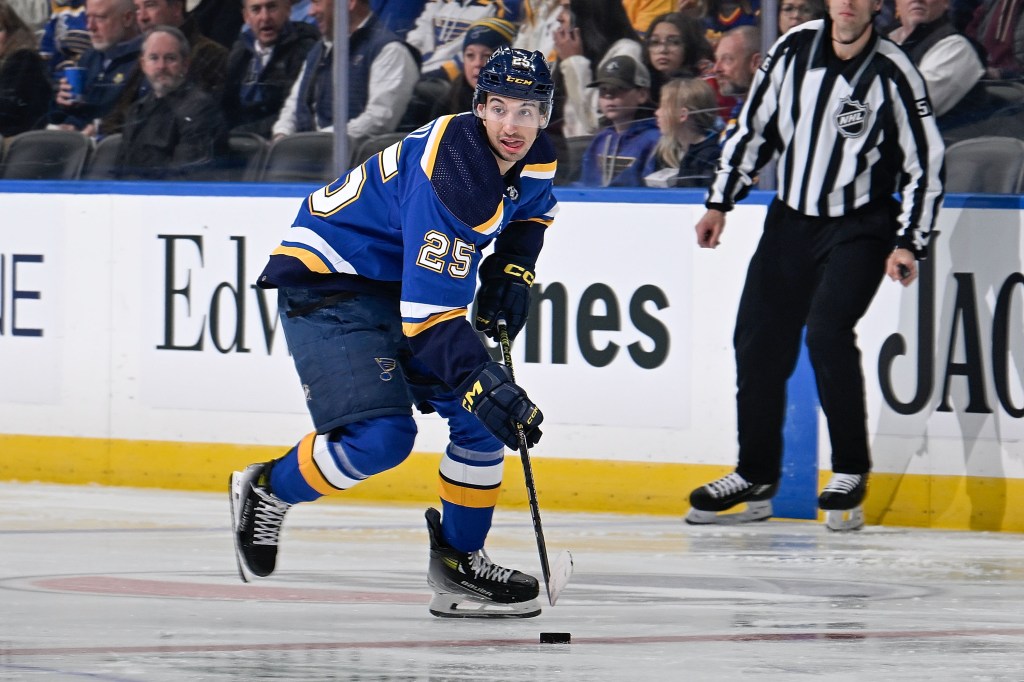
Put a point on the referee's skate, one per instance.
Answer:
(709, 501)
(841, 500)
(470, 585)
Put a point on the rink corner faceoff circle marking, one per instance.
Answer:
(198, 588)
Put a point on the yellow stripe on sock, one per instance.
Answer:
(309, 470)
(477, 498)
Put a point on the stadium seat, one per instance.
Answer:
(101, 165)
(986, 165)
(301, 157)
(1005, 91)
(46, 155)
(241, 161)
(372, 145)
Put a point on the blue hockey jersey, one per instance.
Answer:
(419, 214)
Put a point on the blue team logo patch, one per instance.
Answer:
(388, 366)
(852, 117)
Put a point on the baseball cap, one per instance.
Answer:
(623, 72)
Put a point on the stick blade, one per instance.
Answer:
(561, 572)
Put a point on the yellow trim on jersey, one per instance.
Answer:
(308, 258)
(546, 222)
(433, 144)
(467, 497)
(540, 170)
(493, 222)
(414, 328)
(308, 468)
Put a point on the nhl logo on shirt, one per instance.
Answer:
(852, 117)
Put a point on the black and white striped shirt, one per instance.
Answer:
(847, 133)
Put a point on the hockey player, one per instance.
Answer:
(374, 281)
(848, 116)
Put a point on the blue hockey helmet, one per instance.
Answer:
(520, 74)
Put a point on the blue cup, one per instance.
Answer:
(75, 76)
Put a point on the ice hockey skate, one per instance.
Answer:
(470, 585)
(841, 501)
(256, 518)
(709, 501)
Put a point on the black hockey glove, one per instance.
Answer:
(499, 403)
(504, 294)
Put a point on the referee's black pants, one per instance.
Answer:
(822, 273)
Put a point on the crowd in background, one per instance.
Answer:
(647, 90)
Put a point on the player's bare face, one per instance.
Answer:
(512, 126)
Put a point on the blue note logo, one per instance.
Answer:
(388, 366)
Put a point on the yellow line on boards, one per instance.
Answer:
(949, 502)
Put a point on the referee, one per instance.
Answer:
(848, 116)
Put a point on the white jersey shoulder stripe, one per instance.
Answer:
(309, 247)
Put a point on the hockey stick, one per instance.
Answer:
(555, 580)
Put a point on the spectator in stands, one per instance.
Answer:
(723, 16)
(537, 29)
(687, 151)
(950, 65)
(795, 12)
(676, 48)
(24, 86)
(65, 36)
(207, 59)
(440, 26)
(450, 90)
(998, 26)
(642, 12)
(109, 66)
(176, 130)
(737, 58)
(382, 73)
(617, 154)
(263, 65)
(590, 32)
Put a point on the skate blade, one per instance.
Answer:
(457, 606)
(561, 572)
(755, 511)
(235, 484)
(841, 520)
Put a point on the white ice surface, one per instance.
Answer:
(124, 585)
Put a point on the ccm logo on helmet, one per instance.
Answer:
(518, 81)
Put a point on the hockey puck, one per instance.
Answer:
(555, 638)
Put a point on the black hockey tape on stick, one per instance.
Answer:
(555, 580)
(903, 270)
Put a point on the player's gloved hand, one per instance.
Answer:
(504, 294)
(499, 403)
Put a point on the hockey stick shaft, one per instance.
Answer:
(524, 454)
